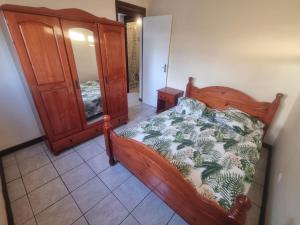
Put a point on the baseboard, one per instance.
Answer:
(10, 220)
(20, 146)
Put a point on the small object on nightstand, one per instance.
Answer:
(167, 98)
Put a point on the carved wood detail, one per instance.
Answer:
(219, 97)
(70, 14)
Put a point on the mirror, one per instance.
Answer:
(84, 52)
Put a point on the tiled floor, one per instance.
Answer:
(79, 187)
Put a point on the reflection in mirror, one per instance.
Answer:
(84, 51)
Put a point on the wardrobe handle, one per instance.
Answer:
(106, 80)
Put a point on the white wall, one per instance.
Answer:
(143, 3)
(284, 198)
(251, 45)
(17, 121)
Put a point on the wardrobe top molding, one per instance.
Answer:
(69, 13)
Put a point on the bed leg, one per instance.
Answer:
(239, 211)
(107, 131)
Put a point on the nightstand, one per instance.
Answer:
(167, 98)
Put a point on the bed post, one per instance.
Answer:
(107, 131)
(239, 211)
(189, 87)
(273, 108)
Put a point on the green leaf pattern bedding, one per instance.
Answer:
(215, 150)
(91, 96)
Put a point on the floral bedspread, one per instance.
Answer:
(215, 150)
(91, 96)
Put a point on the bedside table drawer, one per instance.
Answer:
(165, 97)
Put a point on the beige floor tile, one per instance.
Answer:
(29, 152)
(46, 195)
(83, 144)
(152, 211)
(89, 151)
(77, 176)
(100, 141)
(131, 193)
(11, 173)
(39, 177)
(89, 194)
(21, 210)
(67, 163)
(99, 163)
(30, 164)
(107, 212)
(53, 157)
(259, 177)
(16, 189)
(30, 222)
(253, 215)
(9, 160)
(114, 176)
(63, 212)
(255, 194)
(130, 220)
(81, 221)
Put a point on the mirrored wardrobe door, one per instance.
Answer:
(82, 44)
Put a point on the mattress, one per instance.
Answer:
(214, 150)
(91, 96)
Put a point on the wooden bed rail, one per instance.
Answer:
(239, 211)
(168, 183)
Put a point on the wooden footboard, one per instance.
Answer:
(167, 182)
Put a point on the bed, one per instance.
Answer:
(91, 96)
(198, 157)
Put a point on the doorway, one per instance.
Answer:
(132, 17)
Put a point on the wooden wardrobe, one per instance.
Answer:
(75, 67)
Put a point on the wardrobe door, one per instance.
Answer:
(112, 44)
(83, 51)
(40, 46)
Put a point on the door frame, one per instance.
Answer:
(131, 11)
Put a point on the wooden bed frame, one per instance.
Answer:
(166, 181)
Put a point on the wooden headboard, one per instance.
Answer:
(219, 97)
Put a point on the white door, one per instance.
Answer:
(156, 44)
